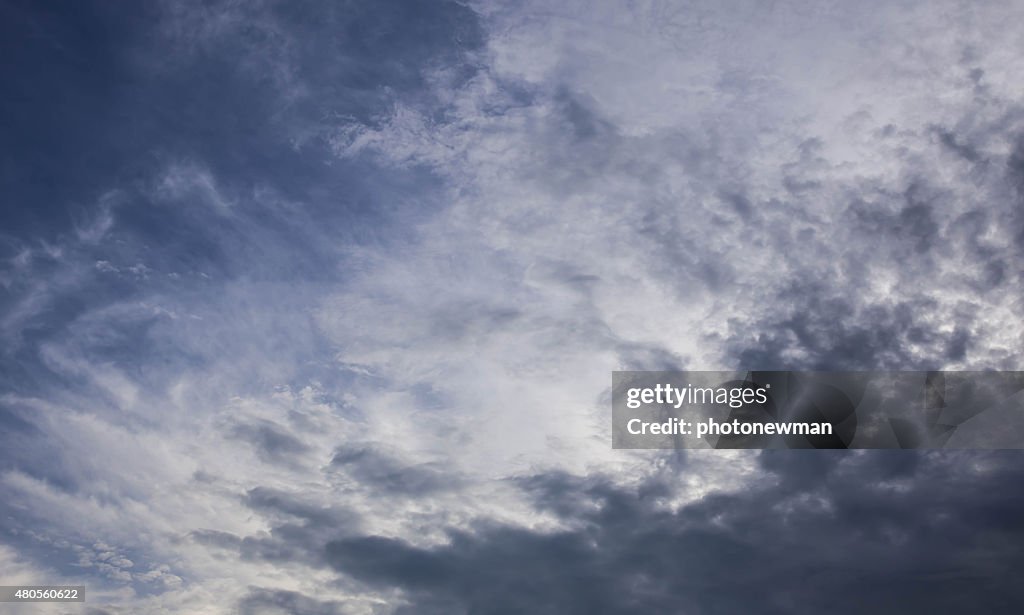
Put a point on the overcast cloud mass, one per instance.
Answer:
(312, 307)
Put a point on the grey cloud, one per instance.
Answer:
(583, 122)
(298, 528)
(263, 601)
(273, 548)
(290, 505)
(821, 532)
(935, 238)
(835, 332)
(272, 442)
(912, 224)
(382, 473)
(641, 357)
(965, 151)
(215, 538)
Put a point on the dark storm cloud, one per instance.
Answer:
(838, 533)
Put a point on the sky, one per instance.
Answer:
(312, 307)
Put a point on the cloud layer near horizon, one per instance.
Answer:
(312, 309)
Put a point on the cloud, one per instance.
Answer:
(373, 467)
(270, 441)
(845, 533)
(328, 297)
(264, 602)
